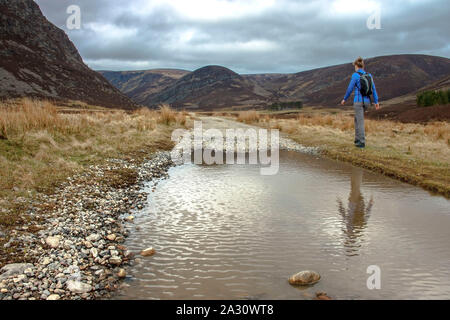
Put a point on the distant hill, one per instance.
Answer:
(216, 87)
(142, 85)
(37, 59)
(405, 108)
(210, 87)
(394, 76)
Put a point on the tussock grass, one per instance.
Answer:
(40, 146)
(167, 115)
(414, 153)
(181, 119)
(26, 115)
(433, 130)
(250, 116)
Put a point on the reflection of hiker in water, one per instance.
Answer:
(357, 214)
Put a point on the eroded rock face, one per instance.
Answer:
(38, 59)
(304, 278)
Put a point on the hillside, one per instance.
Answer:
(394, 75)
(216, 87)
(37, 59)
(142, 85)
(405, 109)
(211, 87)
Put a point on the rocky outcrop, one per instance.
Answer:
(37, 59)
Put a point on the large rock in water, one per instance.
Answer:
(304, 278)
(148, 252)
(37, 59)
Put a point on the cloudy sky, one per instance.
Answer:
(250, 36)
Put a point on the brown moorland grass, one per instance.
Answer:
(40, 147)
(249, 116)
(167, 115)
(415, 153)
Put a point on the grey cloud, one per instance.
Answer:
(292, 35)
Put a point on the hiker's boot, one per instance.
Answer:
(360, 145)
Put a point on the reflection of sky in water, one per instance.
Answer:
(225, 232)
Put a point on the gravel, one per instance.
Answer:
(75, 240)
(76, 245)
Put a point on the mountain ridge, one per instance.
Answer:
(39, 60)
(395, 75)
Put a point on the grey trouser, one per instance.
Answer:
(360, 135)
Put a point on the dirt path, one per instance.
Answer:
(223, 124)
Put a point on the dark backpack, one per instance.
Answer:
(366, 82)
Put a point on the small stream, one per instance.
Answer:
(226, 232)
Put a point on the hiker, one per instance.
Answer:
(364, 86)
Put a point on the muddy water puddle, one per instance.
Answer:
(227, 232)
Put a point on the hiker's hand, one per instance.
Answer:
(343, 102)
(377, 106)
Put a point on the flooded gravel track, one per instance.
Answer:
(226, 232)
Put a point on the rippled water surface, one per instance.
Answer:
(226, 232)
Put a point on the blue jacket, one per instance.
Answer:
(355, 85)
